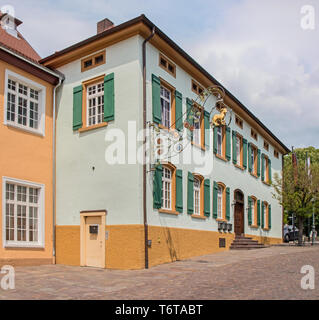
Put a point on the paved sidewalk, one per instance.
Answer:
(271, 273)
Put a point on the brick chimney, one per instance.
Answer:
(104, 25)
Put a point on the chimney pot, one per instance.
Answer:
(104, 25)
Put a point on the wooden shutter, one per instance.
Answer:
(109, 97)
(215, 140)
(269, 170)
(190, 193)
(234, 134)
(190, 117)
(157, 187)
(249, 158)
(258, 163)
(262, 167)
(244, 153)
(258, 213)
(178, 111)
(156, 99)
(262, 214)
(228, 144)
(179, 191)
(249, 210)
(227, 203)
(269, 216)
(207, 197)
(207, 129)
(215, 194)
(77, 107)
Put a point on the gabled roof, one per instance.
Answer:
(19, 45)
(51, 61)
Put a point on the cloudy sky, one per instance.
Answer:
(257, 49)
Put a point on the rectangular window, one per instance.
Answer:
(220, 148)
(166, 106)
(253, 210)
(266, 145)
(276, 154)
(93, 61)
(197, 196)
(239, 146)
(24, 103)
(196, 88)
(254, 134)
(265, 167)
(239, 122)
(23, 213)
(197, 133)
(167, 189)
(167, 65)
(95, 104)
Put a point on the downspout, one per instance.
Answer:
(144, 149)
(54, 170)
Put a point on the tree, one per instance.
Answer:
(298, 190)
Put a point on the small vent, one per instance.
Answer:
(222, 243)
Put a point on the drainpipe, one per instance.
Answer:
(54, 168)
(144, 149)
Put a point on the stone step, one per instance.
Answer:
(247, 247)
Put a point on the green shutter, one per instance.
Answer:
(190, 193)
(190, 117)
(215, 140)
(258, 163)
(249, 211)
(207, 197)
(215, 194)
(156, 99)
(179, 191)
(228, 144)
(262, 167)
(262, 214)
(258, 213)
(269, 170)
(249, 158)
(269, 216)
(227, 203)
(244, 153)
(178, 111)
(207, 129)
(109, 97)
(157, 187)
(234, 133)
(77, 107)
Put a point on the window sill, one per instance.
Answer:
(254, 175)
(23, 245)
(26, 129)
(254, 226)
(266, 183)
(266, 229)
(221, 157)
(240, 167)
(197, 216)
(175, 213)
(221, 220)
(198, 146)
(96, 126)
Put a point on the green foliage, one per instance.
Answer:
(298, 189)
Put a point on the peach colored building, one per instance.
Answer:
(26, 160)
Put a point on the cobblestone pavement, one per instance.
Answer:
(271, 273)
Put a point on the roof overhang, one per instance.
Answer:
(143, 26)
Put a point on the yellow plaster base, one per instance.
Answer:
(265, 240)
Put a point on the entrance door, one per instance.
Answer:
(239, 224)
(239, 218)
(93, 240)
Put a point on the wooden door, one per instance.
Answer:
(239, 218)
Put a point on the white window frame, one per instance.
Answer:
(238, 149)
(167, 182)
(197, 197)
(94, 96)
(197, 129)
(41, 214)
(169, 101)
(41, 102)
(253, 210)
(253, 156)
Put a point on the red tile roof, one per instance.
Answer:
(19, 44)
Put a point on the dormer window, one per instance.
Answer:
(9, 24)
